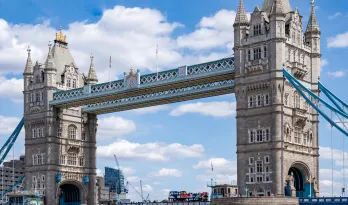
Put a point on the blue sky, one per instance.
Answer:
(169, 147)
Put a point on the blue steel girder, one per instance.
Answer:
(181, 77)
(162, 97)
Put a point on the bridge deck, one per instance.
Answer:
(184, 83)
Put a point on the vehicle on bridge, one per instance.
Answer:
(179, 196)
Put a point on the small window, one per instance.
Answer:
(72, 132)
(42, 95)
(268, 135)
(268, 192)
(257, 29)
(297, 100)
(286, 99)
(39, 133)
(81, 162)
(252, 136)
(251, 170)
(59, 132)
(43, 177)
(258, 100)
(266, 99)
(257, 53)
(68, 82)
(266, 160)
(267, 169)
(74, 83)
(250, 104)
(259, 167)
(251, 160)
(37, 96)
(265, 51)
(251, 179)
(259, 135)
(249, 55)
(259, 179)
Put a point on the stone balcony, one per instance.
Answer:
(74, 142)
(300, 116)
(256, 66)
(298, 70)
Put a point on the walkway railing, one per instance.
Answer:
(324, 200)
(171, 203)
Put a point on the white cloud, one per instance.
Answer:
(150, 151)
(339, 41)
(326, 188)
(133, 179)
(337, 74)
(214, 31)
(12, 89)
(152, 109)
(118, 32)
(335, 15)
(100, 172)
(324, 62)
(114, 126)
(224, 171)
(128, 171)
(214, 109)
(337, 155)
(164, 172)
(8, 125)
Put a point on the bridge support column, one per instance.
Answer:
(91, 123)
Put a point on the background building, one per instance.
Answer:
(11, 172)
(114, 179)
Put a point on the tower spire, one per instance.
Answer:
(92, 75)
(49, 60)
(277, 7)
(241, 17)
(29, 64)
(313, 25)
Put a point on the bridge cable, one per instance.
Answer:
(323, 88)
(332, 161)
(297, 87)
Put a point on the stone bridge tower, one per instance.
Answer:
(60, 144)
(277, 132)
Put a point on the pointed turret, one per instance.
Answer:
(49, 60)
(268, 4)
(313, 26)
(92, 75)
(277, 8)
(29, 64)
(241, 17)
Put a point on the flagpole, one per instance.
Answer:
(157, 61)
(110, 69)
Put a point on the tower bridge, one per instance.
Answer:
(277, 124)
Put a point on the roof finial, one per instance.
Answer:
(92, 58)
(92, 75)
(29, 64)
(312, 25)
(313, 4)
(59, 36)
(29, 50)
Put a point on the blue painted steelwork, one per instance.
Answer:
(20, 180)
(324, 200)
(177, 75)
(186, 91)
(169, 203)
(297, 86)
(11, 140)
(332, 97)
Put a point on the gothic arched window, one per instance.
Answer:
(297, 100)
(74, 83)
(68, 82)
(72, 132)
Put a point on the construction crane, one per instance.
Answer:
(142, 198)
(141, 189)
(118, 166)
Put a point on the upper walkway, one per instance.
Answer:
(137, 91)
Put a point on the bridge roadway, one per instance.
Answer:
(136, 91)
(303, 201)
